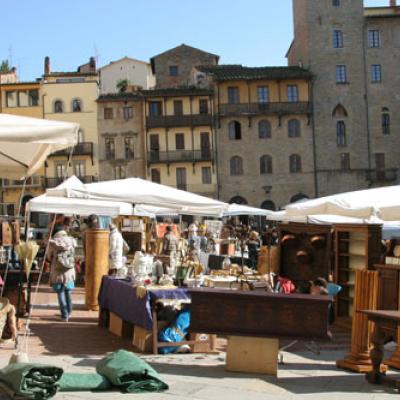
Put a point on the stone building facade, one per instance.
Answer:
(352, 53)
(121, 135)
(264, 137)
(173, 68)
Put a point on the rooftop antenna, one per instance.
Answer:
(10, 55)
(96, 55)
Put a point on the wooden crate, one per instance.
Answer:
(119, 327)
(252, 355)
(204, 342)
(143, 338)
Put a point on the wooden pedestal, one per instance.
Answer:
(366, 298)
(252, 355)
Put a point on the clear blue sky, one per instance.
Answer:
(250, 32)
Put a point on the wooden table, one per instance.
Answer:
(382, 319)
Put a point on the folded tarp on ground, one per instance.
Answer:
(129, 373)
(81, 382)
(32, 381)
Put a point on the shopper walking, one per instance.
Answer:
(61, 255)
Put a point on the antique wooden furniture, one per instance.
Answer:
(389, 299)
(357, 247)
(259, 314)
(366, 297)
(306, 252)
(382, 319)
(97, 252)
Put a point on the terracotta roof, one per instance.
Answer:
(20, 83)
(238, 72)
(187, 91)
(185, 45)
(71, 74)
(120, 96)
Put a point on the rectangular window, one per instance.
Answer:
(263, 94)
(386, 123)
(341, 74)
(155, 108)
(341, 133)
(337, 39)
(203, 106)
(181, 178)
(22, 98)
(155, 175)
(61, 170)
(344, 161)
(376, 73)
(173, 70)
(178, 107)
(11, 99)
(33, 98)
(206, 175)
(374, 39)
(233, 95)
(110, 149)
(292, 93)
(108, 113)
(129, 148)
(79, 168)
(180, 141)
(119, 172)
(127, 112)
(336, 3)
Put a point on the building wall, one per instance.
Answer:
(314, 23)
(280, 185)
(21, 109)
(87, 92)
(137, 72)
(119, 128)
(185, 58)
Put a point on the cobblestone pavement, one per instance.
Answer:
(77, 345)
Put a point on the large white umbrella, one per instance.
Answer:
(240, 209)
(26, 142)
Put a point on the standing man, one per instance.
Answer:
(170, 247)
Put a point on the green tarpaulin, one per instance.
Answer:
(33, 381)
(129, 373)
(75, 382)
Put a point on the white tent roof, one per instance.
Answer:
(26, 142)
(239, 209)
(366, 206)
(141, 192)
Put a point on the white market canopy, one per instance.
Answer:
(364, 206)
(143, 195)
(26, 142)
(240, 209)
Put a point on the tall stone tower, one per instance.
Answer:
(329, 41)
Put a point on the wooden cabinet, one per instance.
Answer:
(306, 252)
(357, 247)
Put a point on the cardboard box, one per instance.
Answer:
(204, 344)
(119, 327)
(143, 338)
(252, 355)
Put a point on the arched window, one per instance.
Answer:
(58, 106)
(238, 200)
(294, 128)
(264, 129)
(268, 205)
(266, 164)
(385, 121)
(339, 112)
(298, 197)
(341, 133)
(76, 105)
(235, 130)
(295, 163)
(236, 164)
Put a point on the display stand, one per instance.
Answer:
(366, 298)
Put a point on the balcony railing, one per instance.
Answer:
(55, 181)
(33, 181)
(280, 108)
(80, 149)
(154, 156)
(381, 176)
(179, 120)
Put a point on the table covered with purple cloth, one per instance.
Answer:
(119, 297)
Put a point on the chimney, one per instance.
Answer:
(393, 3)
(92, 64)
(47, 65)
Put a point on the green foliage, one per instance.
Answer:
(5, 67)
(122, 85)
